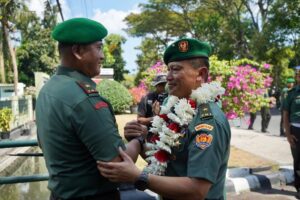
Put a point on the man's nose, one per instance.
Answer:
(169, 76)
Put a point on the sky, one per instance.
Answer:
(108, 12)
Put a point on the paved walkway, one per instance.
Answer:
(268, 146)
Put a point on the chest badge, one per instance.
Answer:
(203, 140)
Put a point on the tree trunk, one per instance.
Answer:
(12, 54)
(2, 70)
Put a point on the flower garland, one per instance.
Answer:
(172, 122)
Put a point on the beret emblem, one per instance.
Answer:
(183, 46)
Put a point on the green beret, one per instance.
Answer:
(79, 31)
(186, 48)
(290, 80)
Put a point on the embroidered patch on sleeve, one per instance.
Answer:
(203, 140)
(204, 126)
(100, 104)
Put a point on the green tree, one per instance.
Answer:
(114, 44)
(151, 52)
(8, 10)
(37, 51)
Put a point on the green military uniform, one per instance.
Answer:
(203, 152)
(283, 95)
(291, 104)
(76, 127)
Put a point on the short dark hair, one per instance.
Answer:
(199, 62)
(62, 46)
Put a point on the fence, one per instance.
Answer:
(22, 179)
(22, 109)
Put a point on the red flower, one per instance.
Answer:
(192, 103)
(162, 156)
(164, 117)
(154, 138)
(174, 127)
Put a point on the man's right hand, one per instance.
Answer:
(291, 139)
(134, 129)
(156, 108)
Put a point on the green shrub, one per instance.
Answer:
(117, 94)
(5, 118)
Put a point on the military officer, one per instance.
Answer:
(75, 125)
(291, 118)
(198, 167)
(289, 85)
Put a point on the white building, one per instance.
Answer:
(8, 90)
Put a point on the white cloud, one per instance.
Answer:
(113, 19)
(36, 6)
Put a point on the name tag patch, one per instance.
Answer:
(203, 140)
(204, 126)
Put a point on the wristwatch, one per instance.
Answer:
(142, 182)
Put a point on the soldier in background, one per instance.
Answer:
(290, 84)
(291, 120)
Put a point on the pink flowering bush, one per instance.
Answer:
(245, 82)
(158, 68)
(145, 84)
(138, 92)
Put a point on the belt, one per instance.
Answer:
(113, 195)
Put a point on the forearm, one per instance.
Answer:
(133, 148)
(178, 187)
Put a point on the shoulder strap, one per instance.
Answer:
(87, 88)
(205, 111)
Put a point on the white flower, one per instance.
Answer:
(172, 100)
(207, 92)
(184, 111)
(174, 118)
(184, 114)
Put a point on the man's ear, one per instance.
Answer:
(76, 51)
(202, 74)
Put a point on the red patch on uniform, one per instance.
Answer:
(100, 104)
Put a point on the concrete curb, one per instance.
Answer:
(244, 179)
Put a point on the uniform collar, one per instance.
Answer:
(68, 71)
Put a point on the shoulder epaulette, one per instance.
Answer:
(205, 111)
(87, 88)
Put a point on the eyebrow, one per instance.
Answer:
(175, 65)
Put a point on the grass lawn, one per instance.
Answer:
(238, 157)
